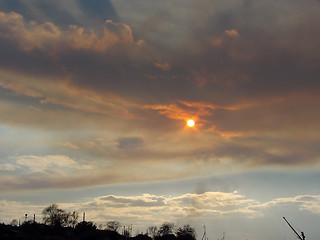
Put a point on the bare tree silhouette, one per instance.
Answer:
(186, 233)
(54, 216)
(113, 225)
(152, 231)
(166, 229)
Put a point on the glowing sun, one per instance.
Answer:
(190, 123)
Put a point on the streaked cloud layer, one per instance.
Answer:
(99, 94)
(146, 210)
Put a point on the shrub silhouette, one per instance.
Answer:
(186, 233)
(85, 227)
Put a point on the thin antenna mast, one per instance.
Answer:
(302, 234)
(204, 237)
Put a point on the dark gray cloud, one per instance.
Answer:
(95, 95)
(64, 13)
(247, 71)
(130, 142)
(273, 57)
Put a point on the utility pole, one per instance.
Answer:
(302, 237)
(204, 237)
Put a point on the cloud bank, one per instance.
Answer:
(119, 92)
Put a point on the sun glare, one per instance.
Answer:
(190, 123)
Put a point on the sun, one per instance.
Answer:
(190, 123)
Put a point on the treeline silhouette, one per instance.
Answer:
(59, 224)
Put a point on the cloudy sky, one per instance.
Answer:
(95, 96)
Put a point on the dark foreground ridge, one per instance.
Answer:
(83, 231)
(59, 224)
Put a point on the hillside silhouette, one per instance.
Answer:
(60, 225)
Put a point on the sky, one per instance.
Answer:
(95, 97)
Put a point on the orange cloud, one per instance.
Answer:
(163, 66)
(80, 38)
(47, 36)
(216, 42)
(232, 33)
(171, 111)
(63, 93)
(184, 110)
(230, 134)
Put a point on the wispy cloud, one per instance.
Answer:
(42, 163)
(145, 210)
(86, 100)
(163, 66)
(49, 37)
(232, 33)
(8, 167)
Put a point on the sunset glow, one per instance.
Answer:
(195, 112)
(190, 123)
